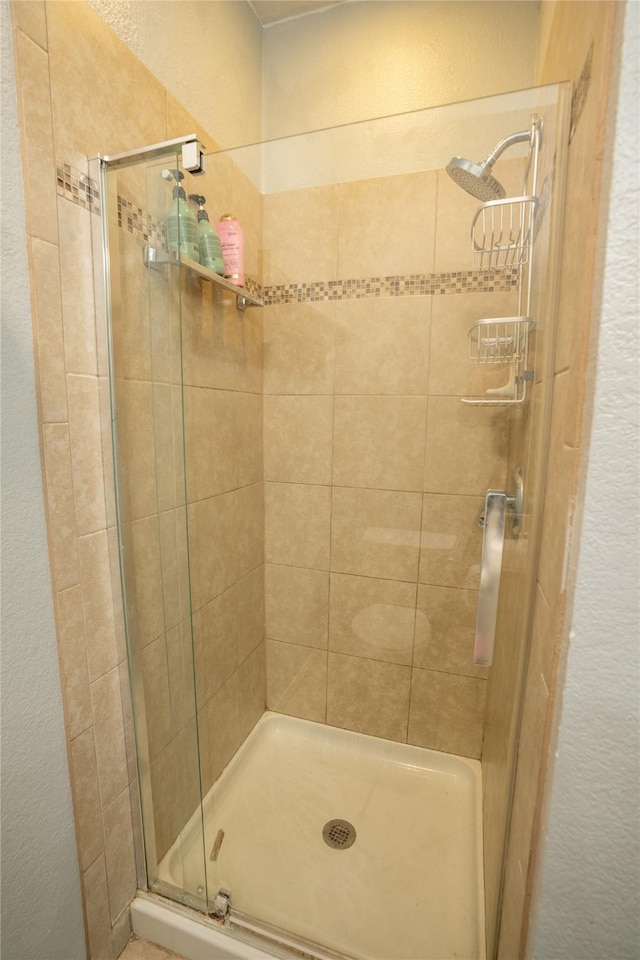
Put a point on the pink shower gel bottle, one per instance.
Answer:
(232, 242)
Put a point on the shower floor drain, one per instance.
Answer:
(339, 834)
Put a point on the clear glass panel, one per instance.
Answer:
(528, 449)
(147, 403)
(325, 434)
(376, 474)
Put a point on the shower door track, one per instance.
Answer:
(266, 935)
(157, 918)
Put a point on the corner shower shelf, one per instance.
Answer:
(502, 231)
(157, 259)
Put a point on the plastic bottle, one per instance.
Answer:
(208, 239)
(182, 228)
(232, 241)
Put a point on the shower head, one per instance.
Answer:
(476, 179)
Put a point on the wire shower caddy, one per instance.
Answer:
(502, 235)
(499, 340)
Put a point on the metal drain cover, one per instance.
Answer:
(339, 834)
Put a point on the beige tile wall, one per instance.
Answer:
(375, 472)
(575, 27)
(188, 375)
(76, 100)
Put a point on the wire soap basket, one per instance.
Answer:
(499, 340)
(502, 233)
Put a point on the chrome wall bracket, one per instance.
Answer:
(191, 149)
(514, 502)
(193, 157)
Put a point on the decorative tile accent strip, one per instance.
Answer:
(579, 95)
(413, 285)
(77, 187)
(83, 191)
(134, 220)
(253, 287)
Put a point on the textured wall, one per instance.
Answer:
(208, 53)
(39, 859)
(588, 903)
(361, 60)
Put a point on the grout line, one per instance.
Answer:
(306, 646)
(332, 485)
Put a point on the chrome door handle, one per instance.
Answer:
(493, 523)
(495, 507)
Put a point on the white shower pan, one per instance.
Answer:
(409, 887)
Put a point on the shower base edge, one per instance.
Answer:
(183, 932)
(306, 773)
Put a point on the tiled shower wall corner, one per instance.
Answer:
(375, 472)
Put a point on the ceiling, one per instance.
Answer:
(272, 11)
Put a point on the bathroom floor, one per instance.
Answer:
(408, 887)
(138, 949)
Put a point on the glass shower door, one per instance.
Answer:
(150, 474)
(376, 473)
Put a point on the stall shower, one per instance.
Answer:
(328, 488)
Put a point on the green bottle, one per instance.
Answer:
(210, 249)
(182, 228)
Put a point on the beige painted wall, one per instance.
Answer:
(361, 60)
(208, 53)
(353, 61)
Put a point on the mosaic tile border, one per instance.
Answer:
(133, 219)
(77, 187)
(253, 287)
(83, 191)
(414, 285)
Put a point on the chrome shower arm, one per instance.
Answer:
(520, 137)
